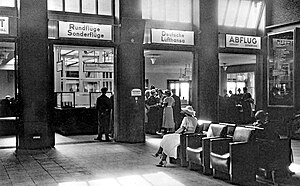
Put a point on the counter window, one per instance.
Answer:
(80, 73)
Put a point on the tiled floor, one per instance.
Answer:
(80, 161)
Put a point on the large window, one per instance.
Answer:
(80, 73)
(281, 69)
(168, 10)
(240, 13)
(8, 3)
(100, 7)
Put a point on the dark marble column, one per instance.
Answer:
(35, 81)
(129, 72)
(207, 67)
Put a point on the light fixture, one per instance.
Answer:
(153, 59)
(224, 66)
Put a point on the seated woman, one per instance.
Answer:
(170, 142)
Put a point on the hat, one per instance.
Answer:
(104, 90)
(7, 96)
(260, 114)
(189, 110)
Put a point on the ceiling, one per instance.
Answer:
(183, 57)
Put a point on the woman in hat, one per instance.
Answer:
(170, 142)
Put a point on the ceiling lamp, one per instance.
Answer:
(225, 66)
(153, 59)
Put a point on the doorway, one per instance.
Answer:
(237, 73)
(167, 70)
(8, 101)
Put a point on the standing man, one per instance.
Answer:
(176, 109)
(103, 105)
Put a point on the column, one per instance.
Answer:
(35, 79)
(207, 67)
(129, 72)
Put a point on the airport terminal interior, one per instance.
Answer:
(227, 68)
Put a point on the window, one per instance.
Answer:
(80, 73)
(55, 5)
(7, 3)
(104, 7)
(100, 7)
(240, 13)
(72, 6)
(168, 10)
(88, 6)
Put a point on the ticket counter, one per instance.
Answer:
(80, 73)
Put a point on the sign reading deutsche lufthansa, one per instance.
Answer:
(85, 30)
(240, 41)
(4, 25)
(172, 37)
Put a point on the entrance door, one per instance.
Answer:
(7, 95)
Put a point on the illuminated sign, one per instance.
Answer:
(4, 25)
(172, 37)
(85, 30)
(240, 41)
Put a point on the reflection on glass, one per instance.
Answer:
(281, 69)
(72, 6)
(88, 7)
(55, 5)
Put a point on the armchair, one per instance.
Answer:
(274, 157)
(198, 152)
(190, 139)
(235, 157)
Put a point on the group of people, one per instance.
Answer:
(162, 111)
(236, 108)
(267, 135)
(8, 106)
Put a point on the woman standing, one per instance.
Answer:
(168, 123)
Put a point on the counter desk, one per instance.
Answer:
(75, 120)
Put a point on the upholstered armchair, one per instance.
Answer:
(274, 160)
(198, 152)
(200, 132)
(235, 157)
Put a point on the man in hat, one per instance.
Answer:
(103, 105)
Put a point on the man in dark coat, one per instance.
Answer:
(103, 105)
(177, 109)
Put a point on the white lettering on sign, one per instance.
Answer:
(172, 37)
(85, 30)
(136, 92)
(240, 41)
(4, 26)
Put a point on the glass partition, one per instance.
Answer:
(65, 99)
(281, 69)
(82, 70)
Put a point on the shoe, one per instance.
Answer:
(162, 164)
(155, 155)
(98, 139)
